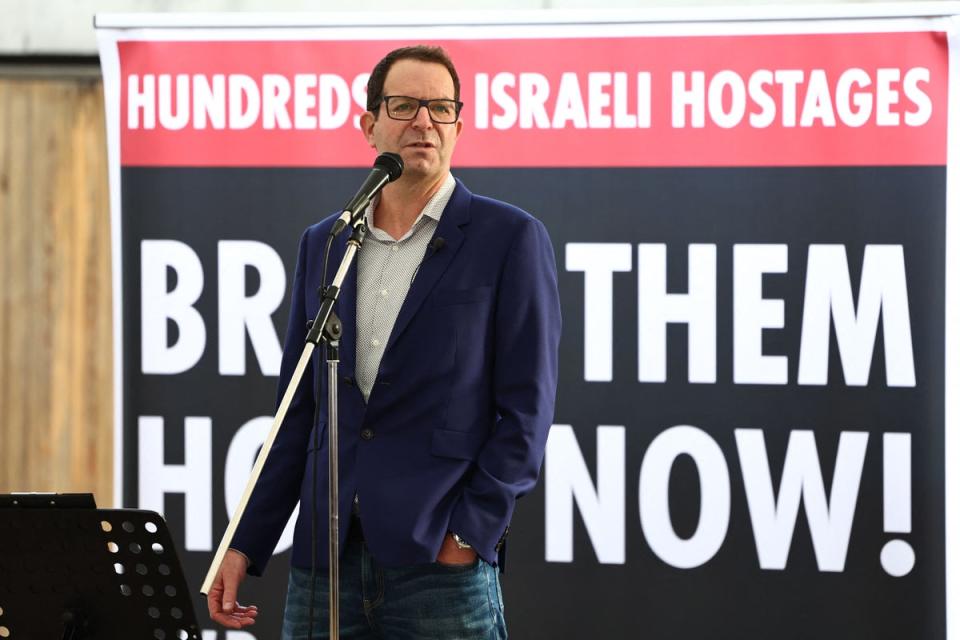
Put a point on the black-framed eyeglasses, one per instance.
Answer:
(440, 110)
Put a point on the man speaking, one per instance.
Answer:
(451, 325)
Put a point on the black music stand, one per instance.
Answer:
(70, 571)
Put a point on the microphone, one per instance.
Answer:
(435, 245)
(387, 168)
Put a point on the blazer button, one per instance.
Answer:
(366, 434)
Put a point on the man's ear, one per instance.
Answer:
(367, 122)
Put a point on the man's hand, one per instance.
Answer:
(451, 554)
(222, 599)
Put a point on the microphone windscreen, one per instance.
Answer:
(391, 163)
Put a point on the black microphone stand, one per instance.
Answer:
(325, 327)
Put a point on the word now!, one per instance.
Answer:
(773, 513)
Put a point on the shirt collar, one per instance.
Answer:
(433, 209)
(438, 202)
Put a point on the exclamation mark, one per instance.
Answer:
(897, 557)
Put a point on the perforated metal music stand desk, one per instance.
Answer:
(70, 571)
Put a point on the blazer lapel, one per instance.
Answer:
(455, 215)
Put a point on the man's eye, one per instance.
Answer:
(403, 106)
(441, 108)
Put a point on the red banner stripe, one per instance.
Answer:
(762, 100)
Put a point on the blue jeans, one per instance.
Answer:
(415, 602)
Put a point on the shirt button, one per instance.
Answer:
(383, 292)
(393, 248)
(375, 342)
(367, 434)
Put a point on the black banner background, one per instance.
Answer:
(728, 597)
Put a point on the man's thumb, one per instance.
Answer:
(229, 594)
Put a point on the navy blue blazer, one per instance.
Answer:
(456, 424)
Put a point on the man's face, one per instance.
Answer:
(426, 147)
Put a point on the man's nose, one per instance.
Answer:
(423, 121)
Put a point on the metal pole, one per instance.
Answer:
(333, 445)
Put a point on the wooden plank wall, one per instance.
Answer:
(56, 363)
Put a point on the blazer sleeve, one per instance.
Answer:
(526, 344)
(278, 489)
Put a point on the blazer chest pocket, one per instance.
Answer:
(463, 445)
(448, 297)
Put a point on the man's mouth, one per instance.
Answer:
(422, 145)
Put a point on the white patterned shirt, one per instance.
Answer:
(385, 270)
